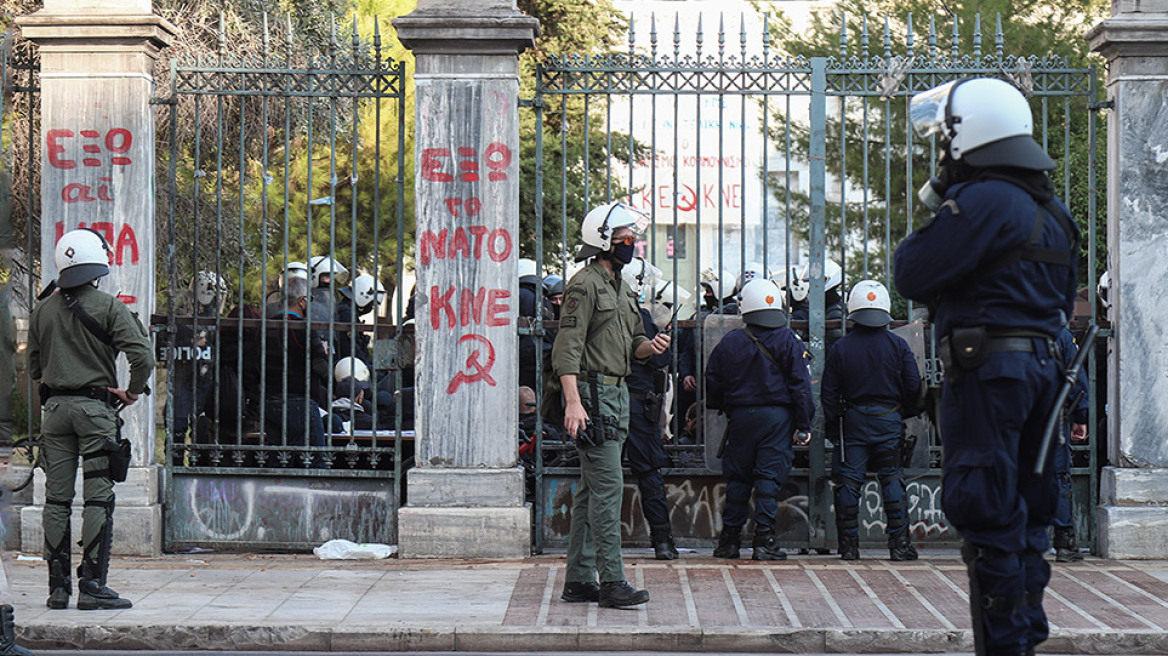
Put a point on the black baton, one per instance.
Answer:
(1070, 378)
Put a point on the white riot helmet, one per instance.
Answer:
(296, 270)
(1103, 290)
(869, 304)
(833, 275)
(598, 225)
(528, 272)
(762, 304)
(987, 122)
(350, 367)
(322, 265)
(750, 272)
(81, 256)
(639, 275)
(364, 292)
(797, 286)
(717, 281)
(665, 290)
(210, 289)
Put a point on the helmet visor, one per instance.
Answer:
(627, 216)
(927, 110)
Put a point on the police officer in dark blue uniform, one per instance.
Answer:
(870, 384)
(996, 266)
(758, 376)
(645, 448)
(1066, 549)
(534, 307)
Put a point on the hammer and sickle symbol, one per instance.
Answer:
(479, 371)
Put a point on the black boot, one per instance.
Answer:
(581, 591)
(1065, 549)
(729, 543)
(618, 594)
(662, 538)
(766, 546)
(92, 593)
(60, 578)
(849, 547)
(900, 547)
(8, 646)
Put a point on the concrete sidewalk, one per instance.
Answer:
(806, 604)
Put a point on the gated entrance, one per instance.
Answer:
(747, 158)
(742, 155)
(285, 196)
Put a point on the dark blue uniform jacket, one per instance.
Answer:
(739, 375)
(869, 365)
(946, 263)
(1066, 344)
(640, 380)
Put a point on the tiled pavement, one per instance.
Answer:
(805, 604)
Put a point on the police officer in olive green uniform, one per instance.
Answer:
(81, 398)
(600, 334)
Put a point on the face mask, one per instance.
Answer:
(623, 253)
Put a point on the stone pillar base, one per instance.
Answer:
(464, 513)
(1133, 513)
(137, 514)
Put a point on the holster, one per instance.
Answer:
(908, 444)
(118, 454)
(598, 428)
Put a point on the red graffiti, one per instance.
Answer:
(479, 372)
(482, 307)
(496, 156)
(75, 192)
(688, 199)
(125, 239)
(117, 141)
(468, 242)
(472, 206)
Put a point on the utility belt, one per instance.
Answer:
(95, 393)
(967, 348)
(887, 407)
(603, 379)
(599, 428)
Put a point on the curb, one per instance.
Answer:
(260, 637)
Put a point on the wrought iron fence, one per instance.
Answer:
(288, 416)
(749, 159)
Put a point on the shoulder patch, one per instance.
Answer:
(570, 305)
(568, 322)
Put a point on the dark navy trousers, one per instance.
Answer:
(992, 420)
(645, 455)
(871, 442)
(1062, 471)
(757, 458)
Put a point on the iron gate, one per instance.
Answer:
(273, 161)
(744, 156)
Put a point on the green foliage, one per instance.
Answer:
(570, 157)
(869, 144)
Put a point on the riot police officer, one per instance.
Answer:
(870, 384)
(758, 376)
(996, 265)
(357, 300)
(74, 337)
(534, 307)
(328, 275)
(1066, 550)
(600, 333)
(645, 448)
